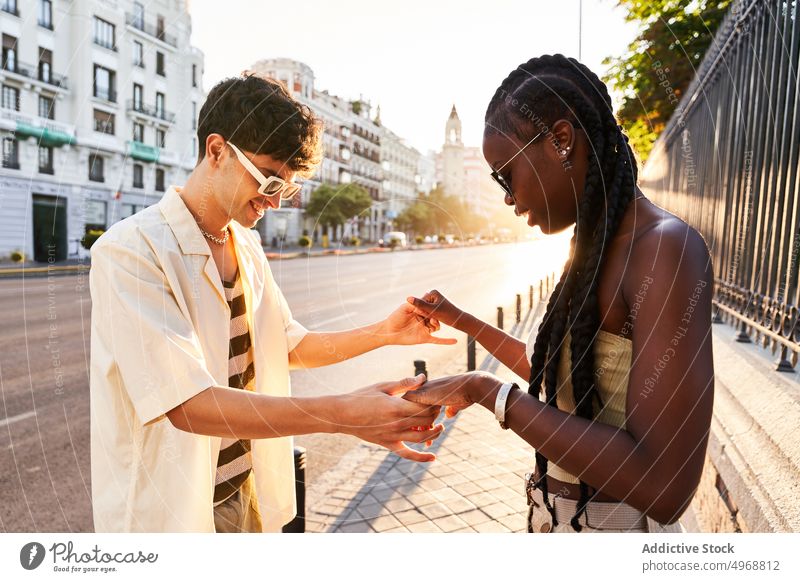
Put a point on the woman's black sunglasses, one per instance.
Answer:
(499, 178)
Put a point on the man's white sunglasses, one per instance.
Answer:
(269, 186)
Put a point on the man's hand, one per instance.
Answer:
(405, 327)
(375, 414)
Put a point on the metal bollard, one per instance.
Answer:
(530, 297)
(298, 524)
(420, 368)
(471, 350)
(500, 318)
(518, 313)
(541, 289)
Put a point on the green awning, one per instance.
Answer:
(24, 130)
(45, 136)
(57, 138)
(145, 153)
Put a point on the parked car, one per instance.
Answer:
(395, 239)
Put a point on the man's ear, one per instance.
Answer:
(215, 146)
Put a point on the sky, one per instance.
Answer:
(415, 58)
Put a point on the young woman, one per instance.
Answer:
(620, 369)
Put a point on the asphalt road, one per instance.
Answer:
(44, 358)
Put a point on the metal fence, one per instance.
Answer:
(727, 163)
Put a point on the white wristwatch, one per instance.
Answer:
(500, 403)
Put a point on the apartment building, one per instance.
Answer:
(97, 118)
(358, 149)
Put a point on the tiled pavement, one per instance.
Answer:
(475, 485)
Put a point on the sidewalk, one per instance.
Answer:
(475, 485)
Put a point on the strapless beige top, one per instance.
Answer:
(612, 358)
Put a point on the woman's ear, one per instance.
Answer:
(564, 138)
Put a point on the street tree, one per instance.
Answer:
(660, 63)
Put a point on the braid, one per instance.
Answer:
(559, 86)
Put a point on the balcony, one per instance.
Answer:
(150, 111)
(111, 46)
(144, 153)
(35, 73)
(47, 132)
(109, 95)
(137, 23)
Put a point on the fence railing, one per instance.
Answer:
(727, 163)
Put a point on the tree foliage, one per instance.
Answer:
(660, 63)
(437, 212)
(333, 205)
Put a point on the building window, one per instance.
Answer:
(160, 31)
(159, 180)
(105, 34)
(194, 115)
(46, 160)
(96, 168)
(10, 98)
(160, 105)
(47, 107)
(45, 65)
(46, 14)
(103, 122)
(9, 52)
(194, 75)
(138, 15)
(9, 6)
(138, 94)
(10, 153)
(138, 54)
(105, 84)
(160, 64)
(138, 176)
(138, 132)
(161, 138)
(128, 210)
(95, 214)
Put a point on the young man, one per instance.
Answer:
(192, 340)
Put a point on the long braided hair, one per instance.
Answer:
(555, 87)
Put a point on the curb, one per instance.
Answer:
(37, 270)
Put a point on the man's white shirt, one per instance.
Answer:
(160, 333)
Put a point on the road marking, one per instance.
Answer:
(13, 419)
(324, 322)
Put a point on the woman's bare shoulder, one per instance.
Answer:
(664, 246)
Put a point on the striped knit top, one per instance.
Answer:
(235, 461)
(612, 358)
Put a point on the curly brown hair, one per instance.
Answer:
(260, 116)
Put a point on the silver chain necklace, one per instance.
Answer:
(216, 239)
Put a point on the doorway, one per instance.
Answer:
(49, 228)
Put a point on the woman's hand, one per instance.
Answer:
(405, 327)
(435, 306)
(456, 392)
